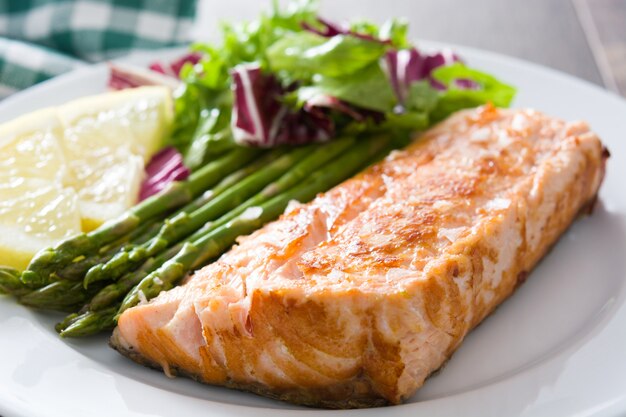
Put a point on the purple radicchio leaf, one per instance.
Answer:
(321, 101)
(165, 167)
(123, 76)
(329, 29)
(317, 102)
(407, 66)
(261, 119)
(128, 76)
(173, 68)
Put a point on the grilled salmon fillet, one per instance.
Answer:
(354, 299)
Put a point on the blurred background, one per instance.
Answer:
(585, 38)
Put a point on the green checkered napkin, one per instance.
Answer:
(43, 38)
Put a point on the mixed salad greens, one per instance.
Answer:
(291, 77)
(346, 95)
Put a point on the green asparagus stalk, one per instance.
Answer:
(62, 294)
(184, 224)
(107, 301)
(10, 282)
(242, 173)
(89, 323)
(196, 253)
(77, 269)
(177, 194)
(59, 296)
(67, 321)
(320, 156)
(117, 290)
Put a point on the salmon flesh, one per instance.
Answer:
(355, 298)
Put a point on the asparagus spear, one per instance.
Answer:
(67, 321)
(116, 290)
(319, 157)
(184, 224)
(89, 323)
(77, 269)
(59, 296)
(10, 282)
(109, 296)
(194, 254)
(239, 175)
(177, 194)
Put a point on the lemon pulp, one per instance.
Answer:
(73, 167)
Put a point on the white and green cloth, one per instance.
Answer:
(40, 39)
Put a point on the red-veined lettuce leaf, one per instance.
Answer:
(406, 66)
(165, 167)
(261, 118)
(174, 68)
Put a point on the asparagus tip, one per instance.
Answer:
(93, 275)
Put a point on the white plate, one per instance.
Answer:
(556, 348)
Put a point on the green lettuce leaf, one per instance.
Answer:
(247, 42)
(212, 136)
(410, 121)
(455, 98)
(368, 88)
(304, 54)
(395, 30)
(422, 97)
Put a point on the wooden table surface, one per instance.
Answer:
(547, 32)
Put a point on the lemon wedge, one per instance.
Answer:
(31, 148)
(107, 140)
(107, 186)
(138, 117)
(34, 214)
(73, 167)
